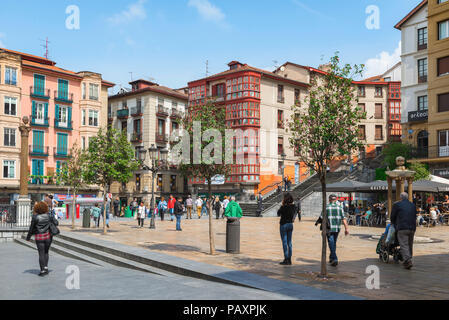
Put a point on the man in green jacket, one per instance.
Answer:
(233, 209)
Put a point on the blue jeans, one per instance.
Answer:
(204, 210)
(357, 220)
(286, 237)
(332, 241)
(171, 214)
(178, 221)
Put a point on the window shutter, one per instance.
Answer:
(69, 117)
(33, 110)
(57, 113)
(443, 102)
(46, 113)
(443, 66)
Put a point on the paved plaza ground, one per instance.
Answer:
(261, 251)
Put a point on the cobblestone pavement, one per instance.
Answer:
(261, 251)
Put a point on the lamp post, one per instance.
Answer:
(283, 156)
(157, 163)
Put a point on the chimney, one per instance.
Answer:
(235, 65)
(140, 84)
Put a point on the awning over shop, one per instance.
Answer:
(343, 186)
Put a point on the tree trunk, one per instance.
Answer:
(211, 230)
(73, 209)
(105, 231)
(324, 224)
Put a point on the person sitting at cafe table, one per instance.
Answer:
(358, 213)
(367, 214)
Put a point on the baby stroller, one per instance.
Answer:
(388, 245)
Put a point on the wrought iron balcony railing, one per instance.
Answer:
(39, 121)
(39, 92)
(38, 151)
(63, 96)
(123, 114)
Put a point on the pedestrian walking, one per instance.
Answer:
(225, 204)
(162, 207)
(403, 217)
(41, 229)
(298, 208)
(141, 213)
(134, 206)
(108, 208)
(189, 207)
(259, 205)
(96, 212)
(199, 206)
(335, 216)
(287, 212)
(217, 207)
(205, 207)
(171, 207)
(233, 209)
(116, 206)
(178, 211)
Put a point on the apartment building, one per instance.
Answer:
(64, 108)
(256, 101)
(148, 114)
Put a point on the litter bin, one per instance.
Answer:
(233, 235)
(86, 218)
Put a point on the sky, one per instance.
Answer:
(169, 42)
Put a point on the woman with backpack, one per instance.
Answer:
(287, 212)
(43, 226)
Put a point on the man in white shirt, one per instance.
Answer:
(225, 204)
(199, 205)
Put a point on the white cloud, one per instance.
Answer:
(134, 11)
(208, 11)
(382, 62)
(309, 9)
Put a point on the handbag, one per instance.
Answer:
(53, 228)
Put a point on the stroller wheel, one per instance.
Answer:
(385, 256)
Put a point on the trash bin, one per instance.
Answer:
(233, 235)
(86, 218)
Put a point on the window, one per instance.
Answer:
(395, 110)
(83, 117)
(11, 106)
(443, 66)
(38, 141)
(361, 91)
(362, 135)
(280, 119)
(174, 126)
(93, 91)
(59, 165)
(422, 70)
(62, 115)
(11, 76)
(443, 140)
(39, 85)
(93, 118)
(160, 127)
(422, 103)
(378, 114)
(442, 1)
(378, 133)
(396, 129)
(218, 90)
(378, 92)
(9, 169)
(62, 144)
(39, 112)
(63, 89)
(297, 95)
(9, 137)
(124, 127)
(422, 38)
(84, 91)
(281, 93)
(362, 108)
(443, 30)
(83, 143)
(443, 102)
(280, 145)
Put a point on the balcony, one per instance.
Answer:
(378, 116)
(422, 46)
(41, 179)
(39, 122)
(123, 114)
(162, 138)
(418, 116)
(162, 112)
(58, 153)
(136, 137)
(64, 97)
(38, 151)
(176, 114)
(431, 152)
(422, 79)
(281, 99)
(63, 126)
(39, 93)
(136, 111)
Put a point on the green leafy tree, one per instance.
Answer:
(328, 126)
(394, 150)
(206, 162)
(110, 159)
(422, 173)
(72, 174)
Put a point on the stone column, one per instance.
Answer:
(410, 189)
(390, 196)
(23, 204)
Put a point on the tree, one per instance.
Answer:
(206, 156)
(328, 126)
(110, 159)
(394, 150)
(72, 174)
(422, 173)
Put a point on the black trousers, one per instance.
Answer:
(162, 213)
(217, 213)
(43, 247)
(140, 221)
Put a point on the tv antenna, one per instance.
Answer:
(45, 46)
(131, 73)
(275, 64)
(207, 68)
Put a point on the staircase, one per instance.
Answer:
(301, 190)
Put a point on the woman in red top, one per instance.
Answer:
(171, 207)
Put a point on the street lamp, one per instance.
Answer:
(158, 159)
(283, 156)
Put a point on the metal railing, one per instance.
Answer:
(40, 92)
(136, 137)
(123, 113)
(38, 150)
(35, 121)
(63, 96)
(430, 152)
(161, 111)
(8, 217)
(136, 111)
